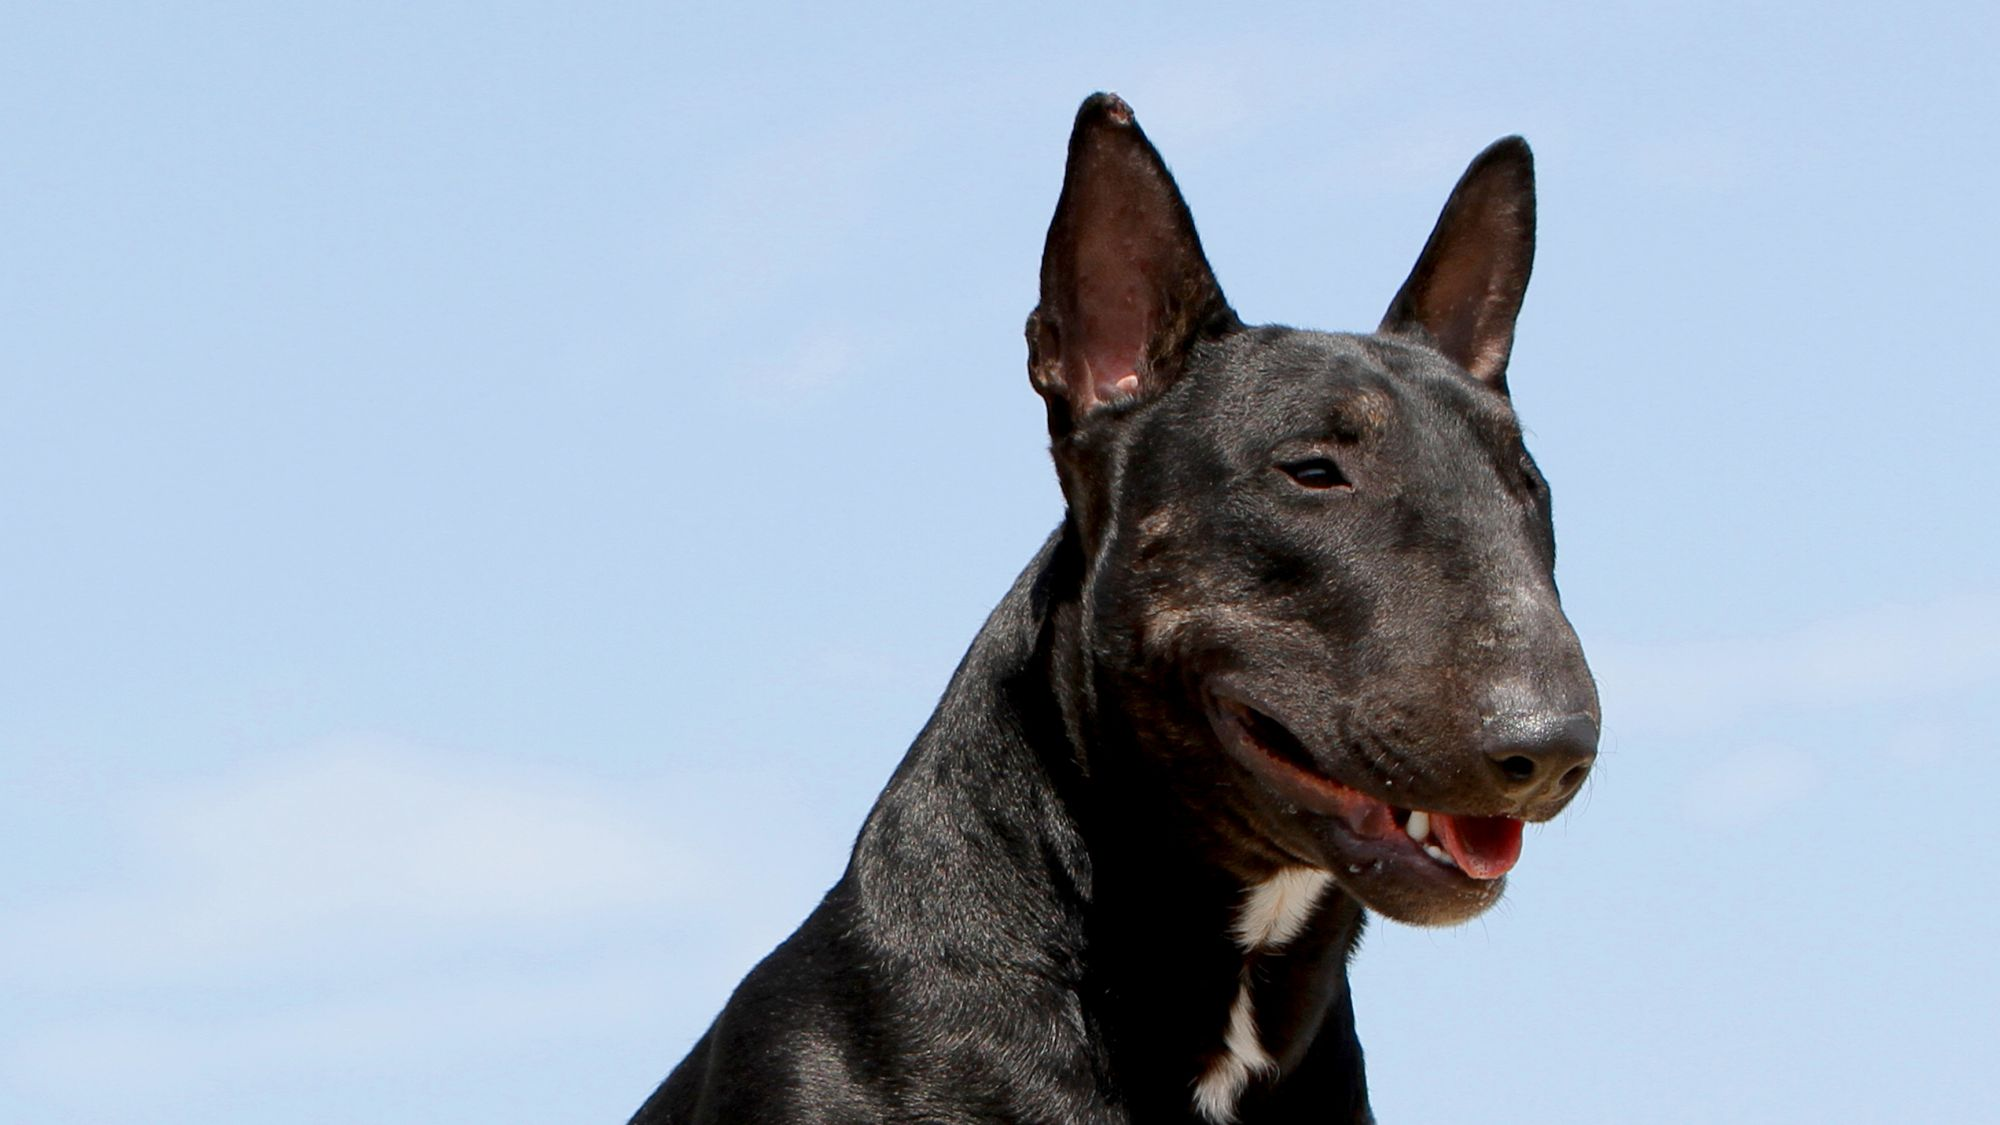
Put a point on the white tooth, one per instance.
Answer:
(1419, 825)
(1440, 855)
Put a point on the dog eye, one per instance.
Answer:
(1316, 472)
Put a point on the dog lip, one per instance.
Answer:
(1307, 783)
(1231, 712)
(1370, 824)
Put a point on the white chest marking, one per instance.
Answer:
(1242, 1056)
(1272, 914)
(1276, 909)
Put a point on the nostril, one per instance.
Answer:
(1540, 755)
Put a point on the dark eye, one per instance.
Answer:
(1316, 472)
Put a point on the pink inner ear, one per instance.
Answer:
(1123, 279)
(1115, 328)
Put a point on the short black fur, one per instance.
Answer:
(1171, 704)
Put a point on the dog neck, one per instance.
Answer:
(1215, 990)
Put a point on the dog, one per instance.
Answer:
(1294, 655)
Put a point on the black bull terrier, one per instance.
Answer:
(1294, 654)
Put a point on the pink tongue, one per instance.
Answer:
(1485, 847)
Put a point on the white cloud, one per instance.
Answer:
(355, 847)
(785, 210)
(1217, 89)
(381, 1029)
(815, 363)
(1890, 654)
(1709, 159)
(367, 909)
(1744, 789)
(1931, 743)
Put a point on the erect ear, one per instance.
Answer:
(1125, 288)
(1466, 288)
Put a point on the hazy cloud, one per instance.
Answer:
(1745, 787)
(784, 210)
(1890, 654)
(351, 847)
(1219, 89)
(379, 1029)
(1709, 159)
(815, 363)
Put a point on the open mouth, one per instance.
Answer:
(1458, 846)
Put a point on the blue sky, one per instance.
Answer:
(490, 491)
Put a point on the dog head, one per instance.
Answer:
(1319, 568)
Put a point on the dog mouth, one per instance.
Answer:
(1429, 844)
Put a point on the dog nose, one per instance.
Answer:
(1541, 758)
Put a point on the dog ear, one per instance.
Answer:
(1125, 288)
(1466, 288)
